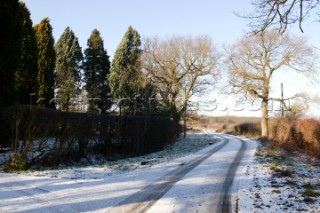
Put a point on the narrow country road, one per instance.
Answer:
(211, 176)
(203, 182)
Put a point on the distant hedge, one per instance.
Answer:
(249, 129)
(44, 136)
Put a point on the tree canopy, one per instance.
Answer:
(126, 80)
(26, 75)
(46, 62)
(96, 69)
(68, 70)
(279, 13)
(252, 62)
(180, 68)
(10, 46)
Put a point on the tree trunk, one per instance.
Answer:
(175, 114)
(264, 119)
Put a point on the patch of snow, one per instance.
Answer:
(183, 147)
(93, 188)
(263, 188)
(200, 189)
(257, 187)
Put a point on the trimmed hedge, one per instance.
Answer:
(44, 136)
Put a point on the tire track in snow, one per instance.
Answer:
(144, 199)
(225, 197)
(32, 194)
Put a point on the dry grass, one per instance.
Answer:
(309, 191)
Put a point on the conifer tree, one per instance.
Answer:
(96, 73)
(46, 62)
(10, 47)
(126, 79)
(26, 75)
(68, 70)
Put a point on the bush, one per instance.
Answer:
(16, 163)
(301, 134)
(310, 129)
(44, 136)
(249, 129)
(280, 129)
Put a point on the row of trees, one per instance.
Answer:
(156, 77)
(33, 67)
(153, 75)
(53, 72)
(27, 55)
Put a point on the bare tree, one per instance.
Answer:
(253, 61)
(180, 67)
(281, 13)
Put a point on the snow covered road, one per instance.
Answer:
(206, 187)
(196, 183)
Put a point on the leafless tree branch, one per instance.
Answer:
(279, 14)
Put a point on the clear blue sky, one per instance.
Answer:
(162, 18)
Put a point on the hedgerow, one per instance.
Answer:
(44, 136)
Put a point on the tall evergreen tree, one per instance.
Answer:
(68, 69)
(96, 73)
(10, 47)
(46, 62)
(26, 75)
(126, 79)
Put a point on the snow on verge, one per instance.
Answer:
(279, 183)
(92, 188)
(183, 147)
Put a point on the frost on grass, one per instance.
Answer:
(277, 182)
(182, 147)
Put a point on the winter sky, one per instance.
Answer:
(166, 18)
